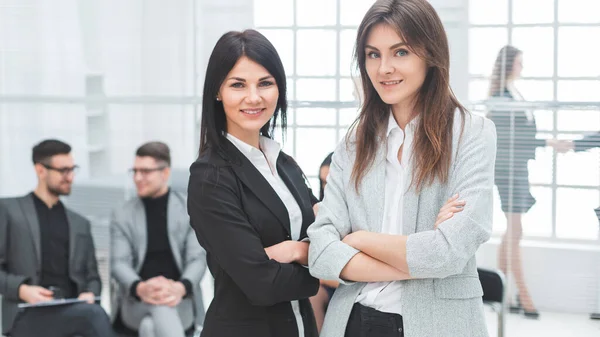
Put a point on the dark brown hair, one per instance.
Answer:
(46, 149)
(157, 150)
(326, 163)
(503, 68)
(421, 29)
(229, 49)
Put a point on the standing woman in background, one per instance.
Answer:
(248, 201)
(517, 144)
(405, 267)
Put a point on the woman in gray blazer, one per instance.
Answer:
(404, 268)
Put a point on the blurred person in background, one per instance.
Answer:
(588, 142)
(321, 300)
(248, 201)
(155, 257)
(517, 144)
(47, 252)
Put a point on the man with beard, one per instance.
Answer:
(155, 256)
(46, 253)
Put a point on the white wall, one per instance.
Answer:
(24, 125)
(146, 48)
(155, 44)
(560, 277)
(455, 16)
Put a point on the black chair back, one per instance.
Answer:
(492, 283)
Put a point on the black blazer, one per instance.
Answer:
(20, 253)
(236, 214)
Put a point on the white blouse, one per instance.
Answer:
(387, 296)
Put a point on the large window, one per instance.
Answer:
(315, 39)
(562, 73)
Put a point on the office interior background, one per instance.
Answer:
(106, 76)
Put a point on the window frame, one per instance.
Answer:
(553, 105)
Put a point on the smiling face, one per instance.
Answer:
(249, 95)
(151, 176)
(396, 72)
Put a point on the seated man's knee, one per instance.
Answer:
(92, 312)
(163, 311)
(146, 328)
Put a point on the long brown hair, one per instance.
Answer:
(503, 68)
(421, 28)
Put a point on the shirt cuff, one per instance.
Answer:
(189, 289)
(133, 290)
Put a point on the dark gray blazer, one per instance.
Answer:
(128, 233)
(20, 253)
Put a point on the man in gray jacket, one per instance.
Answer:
(155, 257)
(47, 252)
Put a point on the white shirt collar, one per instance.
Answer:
(244, 148)
(270, 150)
(410, 127)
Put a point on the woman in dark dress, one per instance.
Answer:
(517, 144)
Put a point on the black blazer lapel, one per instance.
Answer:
(255, 181)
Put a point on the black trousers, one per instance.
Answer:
(80, 319)
(368, 322)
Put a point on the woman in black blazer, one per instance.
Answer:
(248, 201)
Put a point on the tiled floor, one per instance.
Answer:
(549, 325)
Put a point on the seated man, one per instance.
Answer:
(155, 257)
(47, 251)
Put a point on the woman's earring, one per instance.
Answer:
(218, 99)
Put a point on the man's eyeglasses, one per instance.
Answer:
(146, 171)
(65, 171)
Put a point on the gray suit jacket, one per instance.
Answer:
(444, 298)
(128, 233)
(20, 253)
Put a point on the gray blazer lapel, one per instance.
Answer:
(372, 191)
(140, 232)
(30, 213)
(173, 211)
(73, 230)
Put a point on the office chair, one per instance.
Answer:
(493, 284)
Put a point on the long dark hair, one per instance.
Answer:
(421, 28)
(326, 163)
(228, 50)
(503, 67)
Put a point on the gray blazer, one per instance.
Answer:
(128, 233)
(20, 253)
(444, 298)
